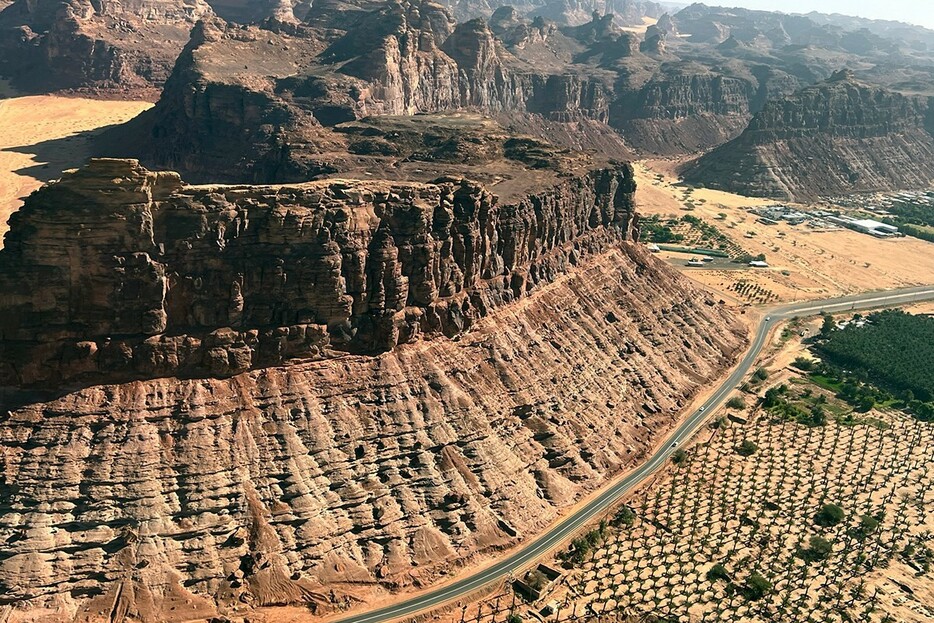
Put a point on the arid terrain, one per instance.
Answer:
(803, 263)
(309, 308)
(37, 148)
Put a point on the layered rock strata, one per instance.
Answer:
(841, 136)
(117, 273)
(683, 110)
(318, 482)
(265, 104)
(253, 105)
(117, 46)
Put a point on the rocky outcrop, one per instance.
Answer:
(838, 137)
(714, 24)
(393, 379)
(71, 44)
(251, 11)
(257, 105)
(576, 12)
(684, 109)
(309, 485)
(118, 273)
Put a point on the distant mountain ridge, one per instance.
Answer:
(840, 136)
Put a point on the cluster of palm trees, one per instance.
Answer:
(753, 292)
(746, 536)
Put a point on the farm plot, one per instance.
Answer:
(769, 521)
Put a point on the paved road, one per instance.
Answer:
(528, 554)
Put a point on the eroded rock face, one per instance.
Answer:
(397, 377)
(66, 44)
(841, 136)
(576, 12)
(261, 104)
(250, 11)
(117, 273)
(684, 109)
(264, 106)
(168, 500)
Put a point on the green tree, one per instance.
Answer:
(718, 572)
(747, 448)
(803, 363)
(772, 398)
(829, 515)
(817, 416)
(756, 587)
(827, 326)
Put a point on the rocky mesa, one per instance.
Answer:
(116, 47)
(269, 103)
(116, 273)
(840, 136)
(385, 380)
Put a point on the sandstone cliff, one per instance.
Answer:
(576, 12)
(142, 276)
(841, 136)
(67, 44)
(250, 11)
(684, 109)
(551, 353)
(265, 106)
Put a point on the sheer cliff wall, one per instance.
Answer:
(118, 273)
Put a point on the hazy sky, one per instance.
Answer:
(912, 11)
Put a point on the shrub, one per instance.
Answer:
(593, 538)
(818, 549)
(756, 587)
(624, 517)
(804, 364)
(867, 525)
(580, 547)
(760, 374)
(736, 403)
(747, 448)
(513, 618)
(718, 572)
(829, 515)
(679, 456)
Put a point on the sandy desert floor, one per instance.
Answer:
(804, 264)
(41, 136)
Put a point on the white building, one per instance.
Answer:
(867, 226)
(874, 228)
